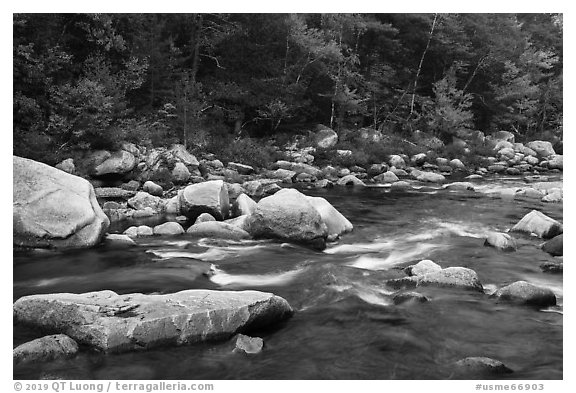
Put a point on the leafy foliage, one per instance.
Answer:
(92, 80)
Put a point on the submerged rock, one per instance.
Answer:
(405, 297)
(553, 267)
(119, 241)
(110, 322)
(288, 215)
(208, 197)
(501, 241)
(554, 246)
(218, 230)
(45, 349)
(481, 365)
(524, 292)
(461, 185)
(53, 209)
(539, 224)
(249, 345)
(457, 277)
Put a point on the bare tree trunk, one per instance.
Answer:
(185, 136)
(196, 54)
(333, 111)
(480, 62)
(420, 65)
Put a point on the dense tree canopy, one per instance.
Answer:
(91, 80)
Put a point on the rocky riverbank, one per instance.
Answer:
(205, 198)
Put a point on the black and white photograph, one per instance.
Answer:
(202, 197)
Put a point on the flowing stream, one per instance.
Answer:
(345, 325)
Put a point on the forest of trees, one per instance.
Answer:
(88, 81)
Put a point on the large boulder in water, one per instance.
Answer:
(110, 322)
(539, 224)
(526, 293)
(44, 349)
(208, 197)
(119, 163)
(554, 246)
(53, 209)
(288, 215)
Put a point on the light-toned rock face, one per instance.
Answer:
(397, 161)
(423, 267)
(542, 148)
(240, 168)
(208, 197)
(386, 177)
(350, 180)
(168, 228)
(114, 323)
(185, 157)
(244, 205)
(54, 209)
(142, 200)
(249, 345)
(217, 230)
(180, 173)
(430, 177)
(539, 224)
(152, 188)
(67, 166)
(501, 241)
(120, 162)
(45, 349)
(326, 138)
(288, 215)
(336, 223)
(456, 277)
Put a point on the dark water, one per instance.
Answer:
(345, 325)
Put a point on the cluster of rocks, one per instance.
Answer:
(108, 322)
(216, 211)
(120, 177)
(536, 224)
